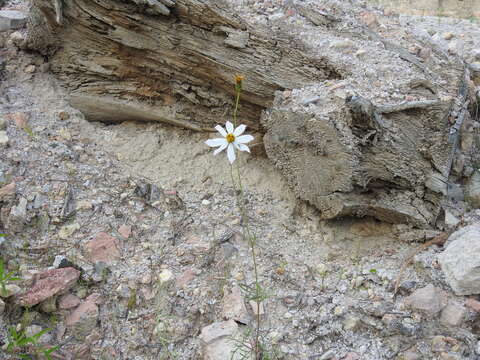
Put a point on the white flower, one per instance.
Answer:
(232, 139)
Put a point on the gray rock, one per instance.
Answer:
(455, 47)
(461, 261)
(342, 44)
(475, 67)
(12, 19)
(330, 354)
(50, 305)
(10, 290)
(39, 201)
(429, 299)
(61, 261)
(452, 315)
(439, 344)
(3, 123)
(2, 306)
(477, 349)
(18, 216)
(351, 322)
(3, 139)
(398, 326)
(408, 327)
(455, 191)
(101, 271)
(35, 329)
(473, 190)
(124, 291)
(450, 356)
(476, 54)
(407, 286)
(410, 355)
(450, 219)
(218, 341)
(18, 39)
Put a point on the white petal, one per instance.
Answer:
(244, 139)
(231, 153)
(242, 147)
(229, 127)
(221, 148)
(221, 130)
(239, 130)
(216, 142)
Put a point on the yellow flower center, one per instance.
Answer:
(230, 138)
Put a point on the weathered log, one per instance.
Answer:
(123, 63)
(329, 93)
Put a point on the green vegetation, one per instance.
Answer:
(5, 278)
(27, 347)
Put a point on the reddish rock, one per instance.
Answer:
(257, 308)
(84, 318)
(49, 283)
(290, 12)
(125, 231)
(233, 307)
(7, 191)
(103, 247)
(68, 301)
(20, 119)
(93, 337)
(351, 356)
(147, 293)
(198, 245)
(82, 352)
(452, 315)
(369, 19)
(185, 278)
(429, 299)
(96, 298)
(473, 304)
(63, 115)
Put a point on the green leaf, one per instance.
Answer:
(40, 333)
(13, 332)
(47, 352)
(24, 341)
(10, 277)
(51, 350)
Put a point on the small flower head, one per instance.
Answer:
(232, 139)
(238, 82)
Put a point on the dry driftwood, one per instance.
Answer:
(122, 63)
(339, 148)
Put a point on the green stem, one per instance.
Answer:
(246, 229)
(252, 242)
(235, 110)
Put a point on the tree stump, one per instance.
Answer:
(356, 123)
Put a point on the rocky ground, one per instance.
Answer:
(129, 245)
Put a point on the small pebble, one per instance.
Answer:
(3, 139)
